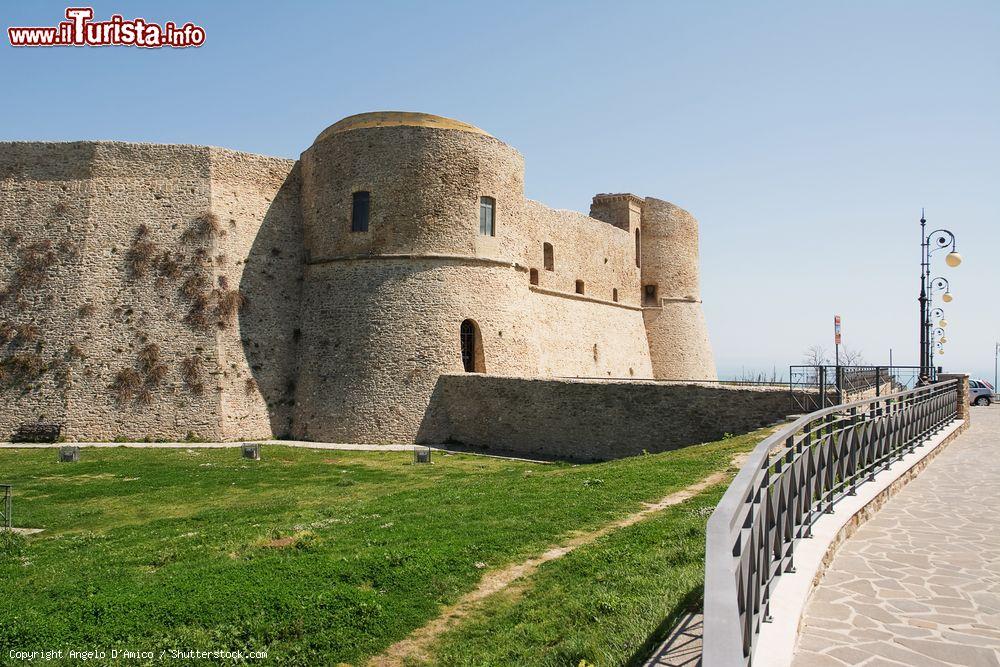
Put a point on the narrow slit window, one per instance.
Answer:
(638, 248)
(549, 261)
(650, 296)
(487, 216)
(360, 211)
(614, 295)
(533, 276)
(579, 287)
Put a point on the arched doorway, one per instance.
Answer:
(472, 347)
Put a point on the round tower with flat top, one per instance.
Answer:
(671, 301)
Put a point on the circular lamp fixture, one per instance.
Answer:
(943, 339)
(943, 323)
(953, 259)
(947, 297)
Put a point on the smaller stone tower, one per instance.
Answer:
(675, 324)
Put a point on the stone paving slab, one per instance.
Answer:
(919, 583)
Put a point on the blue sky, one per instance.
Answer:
(804, 136)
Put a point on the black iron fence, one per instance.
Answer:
(788, 482)
(816, 387)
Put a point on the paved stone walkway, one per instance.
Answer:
(919, 583)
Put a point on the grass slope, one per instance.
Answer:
(603, 604)
(315, 556)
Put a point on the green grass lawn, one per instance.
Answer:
(322, 557)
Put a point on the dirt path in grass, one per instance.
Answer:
(417, 643)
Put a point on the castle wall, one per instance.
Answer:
(598, 253)
(45, 193)
(578, 337)
(134, 275)
(371, 357)
(590, 420)
(160, 291)
(257, 200)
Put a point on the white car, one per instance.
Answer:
(980, 392)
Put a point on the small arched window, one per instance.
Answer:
(360, 211)
(579, 287)
(533, 276)
(472, 348)
(614, 295)
(638, 247)
(549, 261)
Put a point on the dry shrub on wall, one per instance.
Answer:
(8, 332)
(20, 334)
(144, 396)
(191, 369)
(204, 226)
(68, 250)
(86, 310)
(35, 261)
(197, 315)
(21, 369)
(141, 256)
(75, 351)
(156, 374)
(11, 237)
(149, 356)
(126, 384)
(250, 386)
(227, 305)
(194, 286)
(27, 333)
(169, 265)
(150, 366)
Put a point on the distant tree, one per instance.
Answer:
(850, 356)
(816, 356)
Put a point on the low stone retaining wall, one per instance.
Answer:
(591, 420)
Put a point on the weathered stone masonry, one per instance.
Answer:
(154, 291)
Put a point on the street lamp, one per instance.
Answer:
(939, 283)
(929, 243)
(996, 356)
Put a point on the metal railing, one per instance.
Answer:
(6, 516)
(788, 482)
(814, 387)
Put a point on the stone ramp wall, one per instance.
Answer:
(585, 420)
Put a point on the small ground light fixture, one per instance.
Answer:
(421, 454)
(251, 450)
(69, 454)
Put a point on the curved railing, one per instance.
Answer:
(789, 481)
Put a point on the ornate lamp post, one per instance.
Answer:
(996, 357)
(929, 243)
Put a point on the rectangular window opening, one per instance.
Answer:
(360, 211)
(487, 216)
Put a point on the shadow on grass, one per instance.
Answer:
(691, 602)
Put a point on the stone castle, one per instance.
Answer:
(171, 291)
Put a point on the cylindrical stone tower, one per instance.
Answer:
(416, 280)
(675, 324)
